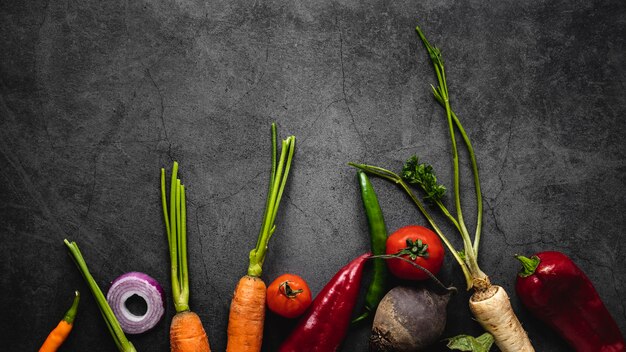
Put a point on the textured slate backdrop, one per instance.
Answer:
(97, 96)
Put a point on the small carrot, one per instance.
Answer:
(186, 331)
(57, 336)
(247, 309)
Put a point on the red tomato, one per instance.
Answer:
(288, 296)
(418, 244)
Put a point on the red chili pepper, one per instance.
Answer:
(556, 291)
(326, 322)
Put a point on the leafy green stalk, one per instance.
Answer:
(176, 228)
(442, 89)
(441, 94)
(278, 180)
(395, 178)
(472, 155)
(122, 343)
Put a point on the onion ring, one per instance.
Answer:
(144, 286)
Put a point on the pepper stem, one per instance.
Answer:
(529, 265)
(71, 313)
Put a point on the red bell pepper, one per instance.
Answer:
(556, 291)
(326, 322)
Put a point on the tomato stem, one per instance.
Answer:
(288, 291)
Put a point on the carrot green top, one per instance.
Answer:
(176, 227)
(278, 179)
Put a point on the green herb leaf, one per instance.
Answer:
(423, 175)
(481, 343)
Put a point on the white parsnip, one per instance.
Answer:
(496, 315)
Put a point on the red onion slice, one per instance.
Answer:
(144, 286)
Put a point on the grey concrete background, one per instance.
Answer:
(97, 96)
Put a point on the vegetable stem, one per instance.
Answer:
(122, 343)
(529, 265)
(441, 94)
(70, 315)
(277, 182)
(176, 228)
(472, 155)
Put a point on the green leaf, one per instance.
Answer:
(424, 176)
(481, 343)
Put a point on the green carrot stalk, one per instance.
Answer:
(186, 330)
(122, 343)
(278, 180)
(176, 228)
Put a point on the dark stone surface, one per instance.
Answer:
(97, 96)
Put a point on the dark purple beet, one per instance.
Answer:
(408, 319)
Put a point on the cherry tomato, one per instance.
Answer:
(288, 296)
(416, 243)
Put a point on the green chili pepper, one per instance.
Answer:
(378, 240)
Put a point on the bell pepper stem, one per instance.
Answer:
(529, 265)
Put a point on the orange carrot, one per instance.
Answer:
(247, 309)
(247, 314)
(186, 331)
(62, 331)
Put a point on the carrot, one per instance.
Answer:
(186, 331)
(245, 326)
(57, 336)
(247, 309)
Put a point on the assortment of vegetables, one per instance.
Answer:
(489, 303)
(556, 291)
(141, 285)
(186, 331)
(247, 309)
(60, 333)
(550, 285)
(288, 296)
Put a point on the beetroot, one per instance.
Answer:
(408, 319)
